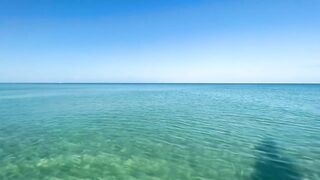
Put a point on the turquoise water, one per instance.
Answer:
(159, 131)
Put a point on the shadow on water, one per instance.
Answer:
(271, 165)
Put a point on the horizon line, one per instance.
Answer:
(159, 82)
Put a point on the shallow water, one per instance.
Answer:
(159, 131)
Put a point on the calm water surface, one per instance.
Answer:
(159, 131)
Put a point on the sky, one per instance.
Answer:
(138, 41)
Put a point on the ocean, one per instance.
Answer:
(160, 131)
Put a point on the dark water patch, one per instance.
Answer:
(272, 164)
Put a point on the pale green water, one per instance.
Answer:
(159, 131)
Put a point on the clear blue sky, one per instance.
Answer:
(159, 41)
